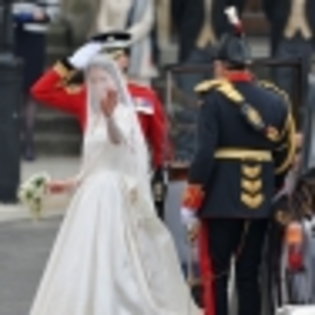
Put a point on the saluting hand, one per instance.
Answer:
(109, 102)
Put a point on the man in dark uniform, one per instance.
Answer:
(245, 146)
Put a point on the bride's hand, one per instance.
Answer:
(109, 102)
(60, 186)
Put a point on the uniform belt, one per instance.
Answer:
(243, 154)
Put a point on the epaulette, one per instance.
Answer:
(222, 86)
(207, 85)
(228, 90)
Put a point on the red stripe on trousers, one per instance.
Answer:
(206, 270)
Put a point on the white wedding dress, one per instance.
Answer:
(113, 256)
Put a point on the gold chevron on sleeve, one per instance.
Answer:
(251, 171)
(251, 186)
(252, 201)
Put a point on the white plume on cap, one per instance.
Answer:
(231, 13)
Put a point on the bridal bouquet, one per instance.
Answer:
(32, 192)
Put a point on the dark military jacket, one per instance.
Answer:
(245, 146)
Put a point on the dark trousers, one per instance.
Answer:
(227, 237)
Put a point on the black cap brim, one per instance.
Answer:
(113, 36)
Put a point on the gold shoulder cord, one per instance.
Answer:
(290, 131)
(289, 127)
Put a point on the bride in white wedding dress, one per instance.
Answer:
(112, 256)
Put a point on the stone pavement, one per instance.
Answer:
(25, 245)
(24, 250)
(58, 168)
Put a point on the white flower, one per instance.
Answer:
(32, 192)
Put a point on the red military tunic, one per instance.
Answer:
(53, 89)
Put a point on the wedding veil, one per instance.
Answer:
(135, 139)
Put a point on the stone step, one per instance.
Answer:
(58, 43)
(49, 144)
(59, 33)
(56, 133)
(56, 123)
(54, 53)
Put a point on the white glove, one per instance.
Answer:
(189, 219)
(84, 54)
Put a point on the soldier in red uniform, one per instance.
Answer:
(56, 89)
